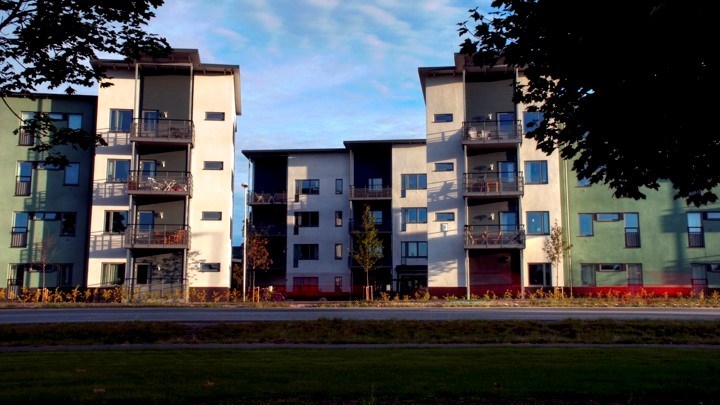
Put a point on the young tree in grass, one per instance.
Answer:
(555, 248)
(44, 253)
(258, 255)
(367, 249)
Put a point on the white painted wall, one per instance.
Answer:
(446, 254)
(326, 167)
(408, 159)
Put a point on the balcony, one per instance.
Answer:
(493, 184)
(163, 131)
(494, 236)
(157, 236)
(492, 133)
(166, 183)
(263, 198)
(19, 236)
(370, 193)
(26, 138)
(22, 185)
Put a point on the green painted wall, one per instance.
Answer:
(664, 252)
(48, 193)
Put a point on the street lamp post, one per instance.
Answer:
(245, 225)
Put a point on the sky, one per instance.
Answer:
(315, 73)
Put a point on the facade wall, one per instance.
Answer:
(47, 193)
(408, 159)
(446, 255)
(325, 167)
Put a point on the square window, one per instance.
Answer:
(444, 167)
(210, 267)
(115, 221)
(444, 117)
(118, 170)
(211, 215)
(120, 120)
(112, 274)
(540, 274)
(532, 119)
(212, 165)
(536, 172)
(538, 223)
(214, 116)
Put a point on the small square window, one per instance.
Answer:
(536, 172)
(444, 216)
(211, 215)
(210, 267)
(212, 165)
(538, 223)
(443, 117)
(444, 167)
(214, 116)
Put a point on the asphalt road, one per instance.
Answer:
(189, 314)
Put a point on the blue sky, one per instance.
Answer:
(317, 72)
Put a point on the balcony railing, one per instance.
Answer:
(22, 185)
(493, 184)
(162, 183)
(163, 131)
(494, 236)
(632, 237)
(356, 225)
(263, 198)
(370, 193)
(157, 236)
(19, 236)
(696, 236)
(492, 132)
(26, 138)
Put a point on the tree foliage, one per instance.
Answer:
(367, 246)
(555, 247)
(625, 87)
(50, 43)
(258, 255)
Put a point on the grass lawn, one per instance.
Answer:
(378, 375)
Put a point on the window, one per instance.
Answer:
(112, 274)
(45, 216)
(214, 116)
(120, 120)
(210, 267)
(414, 182)
(378, 216)
(444, 167)
(212, 165)
(47, 166)
(338, 251)
(540, 274)
(696, 234)
(608, 217)
(584, 182)
(532, 119)
(304, 252)
(634, 274)
(444, 216)
(610, 267)
(413, 249)
(712, 215)
(375, 183)
(19, 230)
(311, 186)
(307, 219)
(211, 215)
(338, 218)
(587, 274)
(632, 230)
(538, 223)
(23, 179)
(445, 117)
(536, 172)
(338, 284)
(118, 170)
(413, 216)
(72, 174)
(115, 221)
(586, 224)
(338, 186)
(68, 223)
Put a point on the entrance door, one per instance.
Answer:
(142, 273)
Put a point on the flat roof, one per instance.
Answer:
(348, 145)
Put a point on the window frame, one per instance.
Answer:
(405, 249)
(112, 163)
(338, 186)
(116, 118)
(300, 189)
(109, 222)
(450, 216)
(543, 172)
(307, 219)
(444, 166)
(65, 221)
(214, 116)
(210, 267)
(210, 216)
(443, 117)
(590, 222)
(544, 222)
(338, 219)
(338, 251)
(76, 174)
(208, 165)
(546, 271)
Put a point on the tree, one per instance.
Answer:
(367, 249)
(617, 83)
(555, 247)
(49, 43)
(44, 253)
(258, 256)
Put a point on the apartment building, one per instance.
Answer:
(162, 189)
(309, 203)
(44, 207)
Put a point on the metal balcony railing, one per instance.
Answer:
(163, 183)
(263, 198)
(493, 184)
(19, 236)
(157, 236)
(162, 130)
(26, 138)
(492, 132)
(356, 225)
(494, 236)
(22, 185)
(370, 193)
